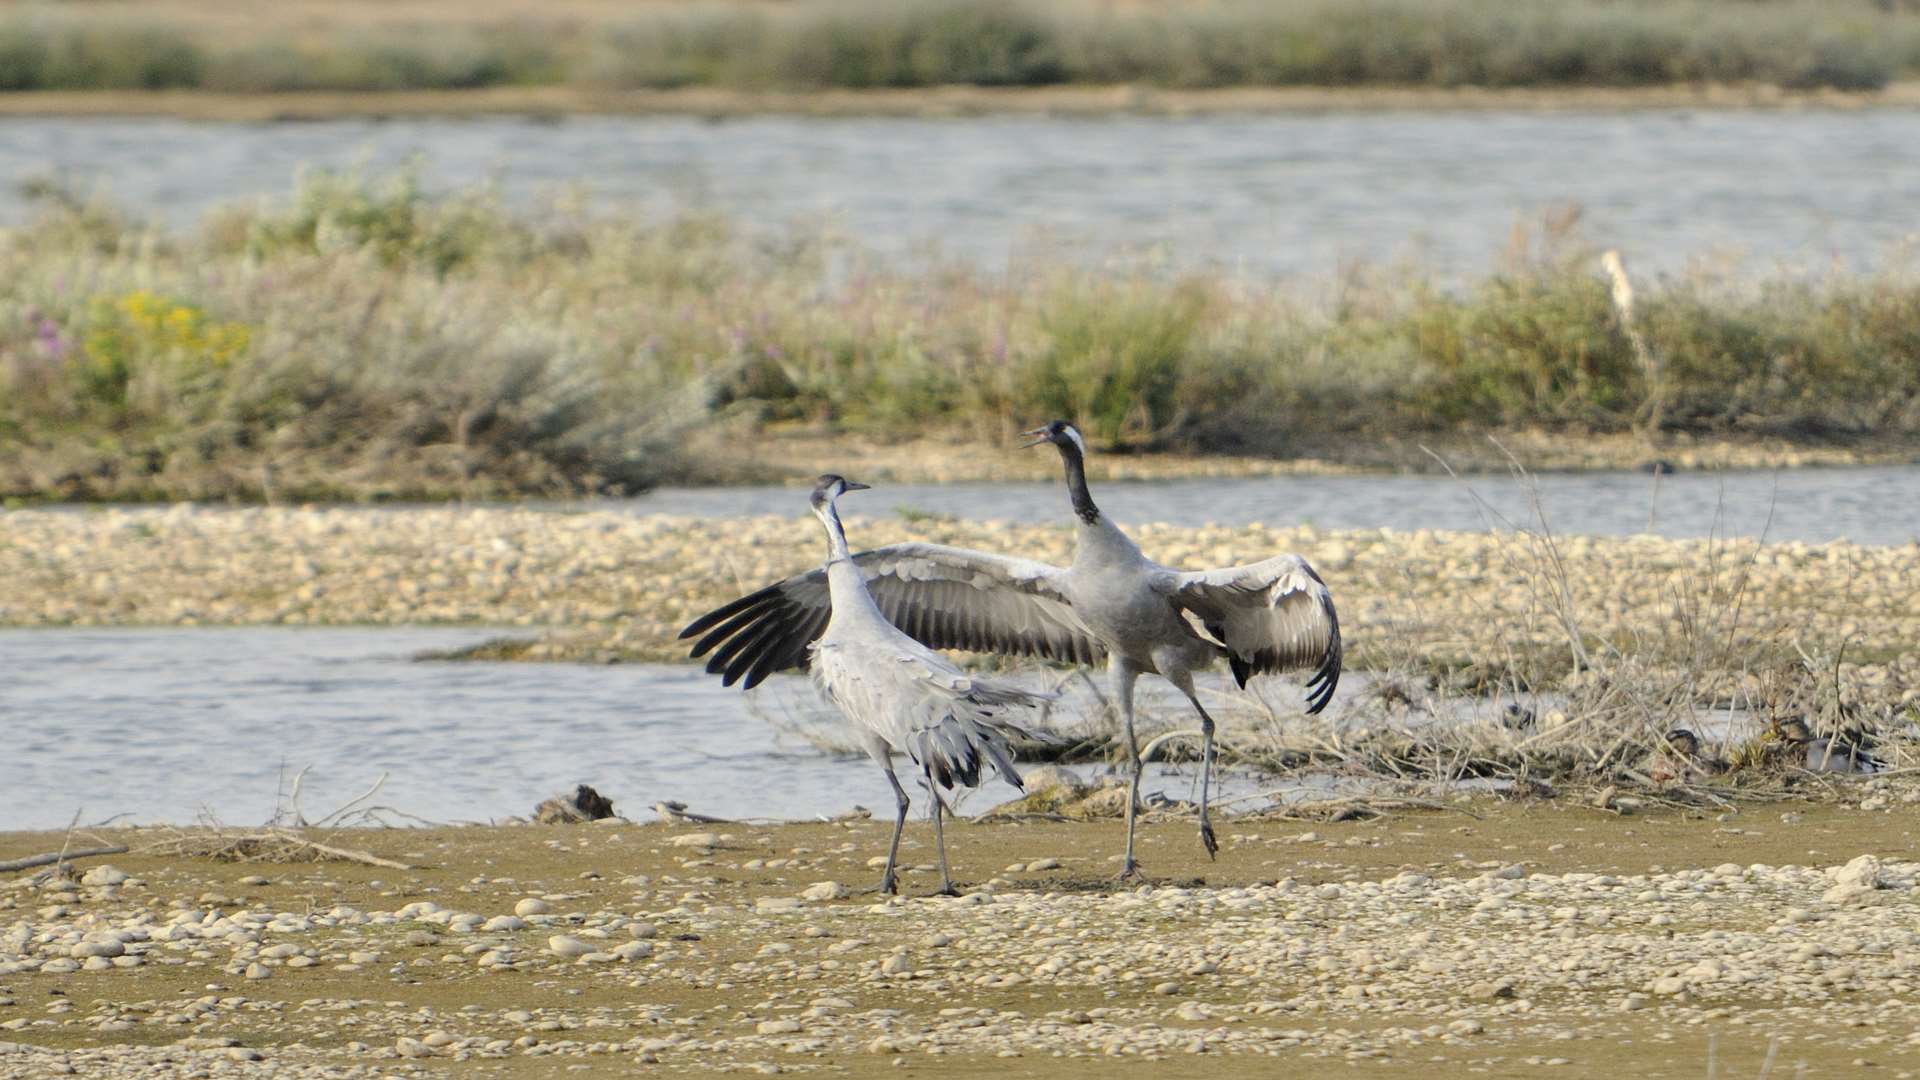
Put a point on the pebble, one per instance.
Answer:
(824, 890)
(778, 1027)
(105, 874)
(531, 906)
(568, 946)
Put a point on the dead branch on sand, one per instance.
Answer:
(270, 843)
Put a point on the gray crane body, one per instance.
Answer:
(903, 697)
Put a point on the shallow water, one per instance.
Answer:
(1866, 505)
(1270, 193)
(170, 724)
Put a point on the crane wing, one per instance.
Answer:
(943, 597)
(1274, 615)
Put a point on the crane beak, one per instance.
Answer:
(1038, 435)
(854, 485)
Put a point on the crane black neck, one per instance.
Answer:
(1077, 483)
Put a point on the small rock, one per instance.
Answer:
(897, 964)
(259, 971)
(531, 906)
(825, 890)
(777, 1027)
(412, 1048)
(1496, 990)
(502, 924)
(565, 945)
(1864, 871)
(104, 874)
(699, 839)
(581, 804)
(1038, 865)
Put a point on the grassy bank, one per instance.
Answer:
(1437, 944)
(853, 44)
(364, 340)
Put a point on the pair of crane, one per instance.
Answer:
(867, 625)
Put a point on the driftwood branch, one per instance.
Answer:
(263, 845)
(61, 857)
(328, 819)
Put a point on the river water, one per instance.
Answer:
(1291, 193)
(1867, 506)
(174, 725)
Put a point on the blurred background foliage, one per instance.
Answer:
(816, 44)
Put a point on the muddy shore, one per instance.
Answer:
(1490, 939)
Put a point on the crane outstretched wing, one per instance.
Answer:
(943, 597)
(1274, 615)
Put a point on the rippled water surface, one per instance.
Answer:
(1298, 192)
(164, 724)
(1869, 505)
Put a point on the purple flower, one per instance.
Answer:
(48, 333)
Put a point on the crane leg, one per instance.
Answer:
(888, 882)
(1123, 678)
(1206, 777)
(940, 841)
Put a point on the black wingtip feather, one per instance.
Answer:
(726, 630)
(726, 611)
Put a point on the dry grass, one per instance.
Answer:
(367, 340)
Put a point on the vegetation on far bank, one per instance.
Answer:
(366, 340)
(822, 44)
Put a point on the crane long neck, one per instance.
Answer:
(829, 515)
(1077, 483)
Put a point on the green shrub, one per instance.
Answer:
(370, 339)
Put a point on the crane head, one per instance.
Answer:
(1059, 433)
(830, 487)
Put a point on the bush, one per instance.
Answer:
(372, 339)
